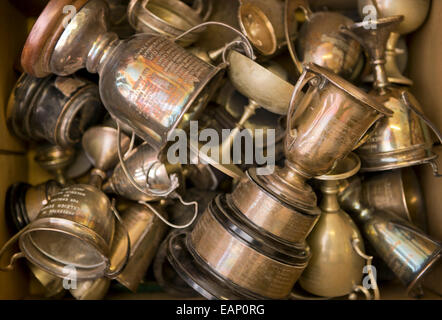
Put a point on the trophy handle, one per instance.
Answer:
(175, 226)
(15, 256)
(355, 242)
(161, 193)
(113, 274)
(367, 135)
(290, 7)
(304, 79)
(247, 46)
(405, 96)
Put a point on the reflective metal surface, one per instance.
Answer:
(335, 268)
(146, 232)
(247, 75)
(128, 69)
(75, 228)
(407, 251)
(414, 12)
(321, 41)
(399, 192)
(403, 139)
(149, 171)
(262, 21)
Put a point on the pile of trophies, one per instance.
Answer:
(329, 90)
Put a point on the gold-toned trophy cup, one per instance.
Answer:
(399, 192)
(406, 250)
(335, 268)
(321, 41)
(262, 22)
(414, 13)
(403, 139)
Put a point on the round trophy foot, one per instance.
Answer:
(195, 274)
(15, 206)
(44, 35)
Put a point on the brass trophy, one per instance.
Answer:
(251, 243)
(403, 139)
(414, 13)
(262, 22)
(336, 266)
(53, 109)
(321, 41)
(147, 82)
(75, 229)
(397, 191)
(407, 251)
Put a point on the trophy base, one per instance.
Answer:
(198, 275)
(15, 206)
(218, 258)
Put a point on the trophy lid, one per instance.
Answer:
(100, 146)
(44, 35)
(343, 168)
(375, 33)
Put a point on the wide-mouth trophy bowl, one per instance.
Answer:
(246, 75)
(262, 22)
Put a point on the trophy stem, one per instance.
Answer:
(96, 178)
(329, 203)
(375, 41)
(100, 51)
(381, 79)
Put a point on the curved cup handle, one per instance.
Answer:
(354, 243)
(162, 193)
(113, 274)
(305, 78)
(289, 15)
(175, 226)
(243, 39)
(405, 96)
(366, 136)
(15, 256)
